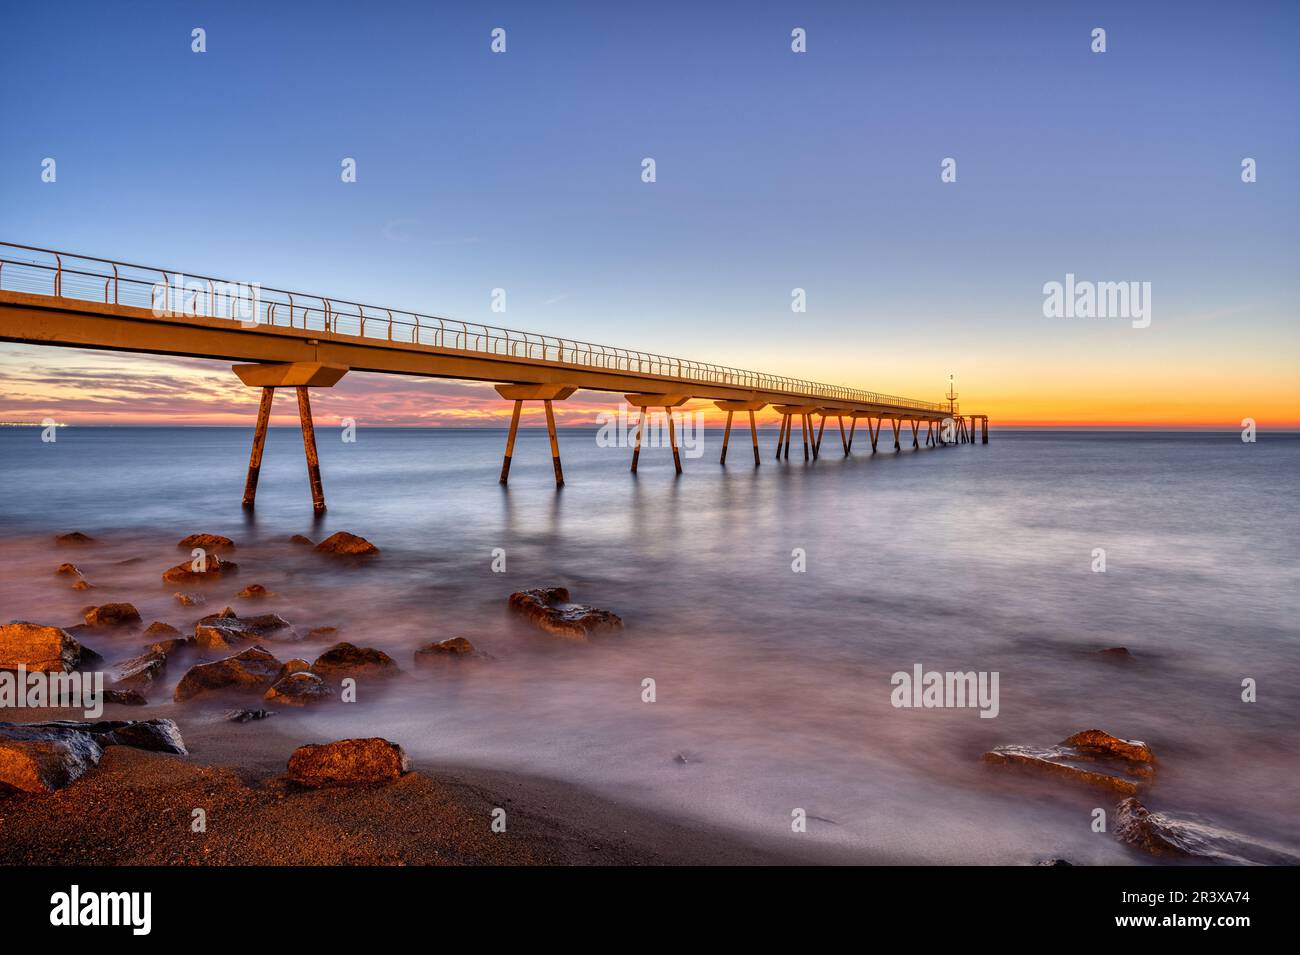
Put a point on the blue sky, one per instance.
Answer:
(775, 170)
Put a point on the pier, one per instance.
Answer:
(279, 339)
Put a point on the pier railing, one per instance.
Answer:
(180, 295)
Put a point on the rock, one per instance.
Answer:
(348, 762)
(299, 689)
(299, 539)
(1106, 745)
(296, 666)
(158, 631)
(549, 609)
(68, 570)
(171, 645)
(83, 584)
(39, 648)
(1092, 757)
(254, 591)
(253, 669)
(1054, 862)
(344, 659)
(73, 539)
(457, 648)
(225, 631)
(43, 757)
(189, 600)
(347, 545)
(1170, 836)
(322, 633)
(213, 567)
(1116, 653)
(125, 697)
(245, 716)
(112, 615)
(207, 542)
(36, 760)
(139, 673)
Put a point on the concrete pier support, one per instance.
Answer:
(300, 376)
(915, 425)
(985, 433)
(804, 413)
(259, 443)
(546, 394)
(875, 432)
(309, 445)
(668, 402)
(895, 422)
(731, 407)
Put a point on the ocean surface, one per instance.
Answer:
(772, 687)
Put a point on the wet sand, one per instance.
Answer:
(136, 809)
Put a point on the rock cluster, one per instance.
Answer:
(43, 757)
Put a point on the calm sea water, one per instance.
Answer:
(772, 686)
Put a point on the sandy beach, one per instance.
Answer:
(135, 809)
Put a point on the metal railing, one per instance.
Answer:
(180, 295)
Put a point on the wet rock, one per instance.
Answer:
(43, 757)
(36, 760)
(68, 570)
(246, 716)
(299, 689)
(1183, 837)
(550, 610)
(348, 762)
(299, 539)
(125, 697)
(140, 672)
(83, 584)
(39, 648)
(112, 615)
(457, 648)
(1054, 862)
(226, 630)
(1115, 653)
(171, 645)
(207, 542)
(160, 631)
(296, 666)
(189, 600)
(345, 659)
(253, 669)
(74, 539)
(347, 545)
(1092, 757)
(322, 633)
(254, 591)
(210, 567)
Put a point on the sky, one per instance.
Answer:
(775, 170)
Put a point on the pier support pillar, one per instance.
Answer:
(668, 403)
(731, 407)
(915, 425)
(874, 432)
(853, 427)
(817, 445)
(309, 445)
(300, 376)
(546, 394)
(895, 422)
(259, 443)
(804, 414)
(985, 425)
(510, 440)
